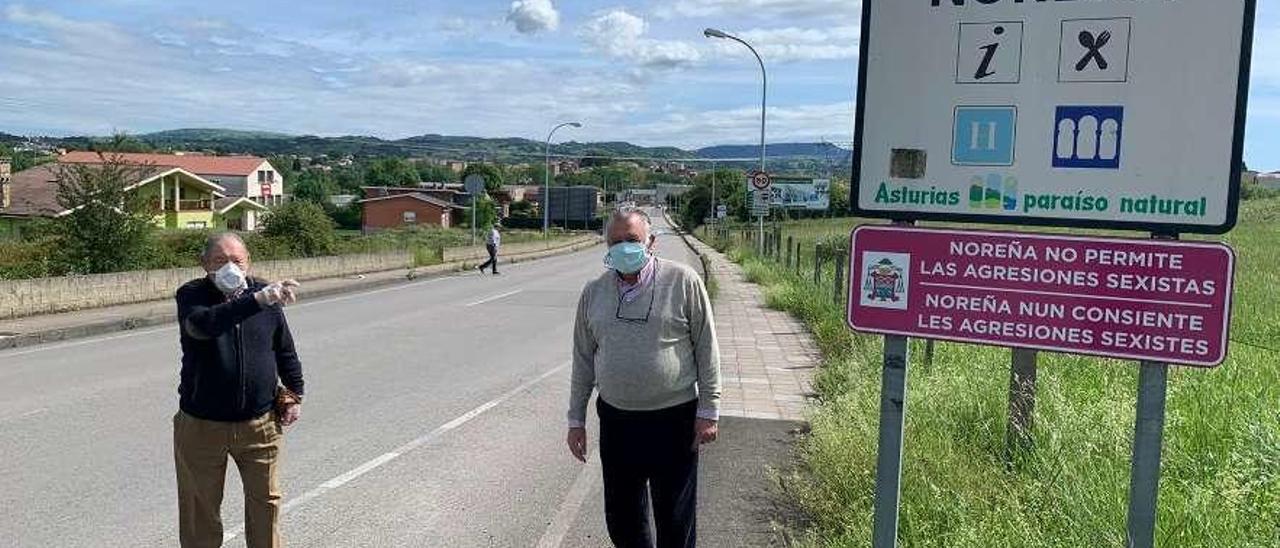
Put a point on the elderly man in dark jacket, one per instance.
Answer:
(241, 383)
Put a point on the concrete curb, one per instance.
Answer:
(142, 322)
(684, 237)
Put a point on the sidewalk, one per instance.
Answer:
(767, 356)
(33, 330)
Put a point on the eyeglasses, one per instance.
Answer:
(628, 318)
(652, 296)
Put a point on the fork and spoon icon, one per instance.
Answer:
(1094, 45)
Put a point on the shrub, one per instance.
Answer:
(302, 228)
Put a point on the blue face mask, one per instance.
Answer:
(627, 257)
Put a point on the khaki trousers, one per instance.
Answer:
(200, 450)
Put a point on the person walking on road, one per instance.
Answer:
(492, 241)
(240, 385)
(645, 339)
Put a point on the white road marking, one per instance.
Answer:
(494, 298)
(396, 453)
(587, 479)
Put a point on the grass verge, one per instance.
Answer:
(1221, 468)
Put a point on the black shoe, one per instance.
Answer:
(481, 270)
(497, 273)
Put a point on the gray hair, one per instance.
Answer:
(216, 239)
(622, 215)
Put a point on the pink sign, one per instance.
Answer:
(1164, 301)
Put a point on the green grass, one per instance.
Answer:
(1220, 485)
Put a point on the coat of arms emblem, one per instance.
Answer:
(884, 282)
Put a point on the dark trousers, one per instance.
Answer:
(649, 456)
(493, 258)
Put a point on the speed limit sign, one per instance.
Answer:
(761, 180)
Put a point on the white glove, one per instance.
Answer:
(278, 294)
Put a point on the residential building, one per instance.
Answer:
(405, 210)
(241, 176)
(454, 196)
(178, 198)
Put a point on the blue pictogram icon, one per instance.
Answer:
(1088, 137)
(984, 136)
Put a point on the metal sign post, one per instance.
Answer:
(474, 185)
(893, 413)
(762, 183)
(1148, 435)
(1022, 403)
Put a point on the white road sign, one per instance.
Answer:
(1106, 113)
(760, 180)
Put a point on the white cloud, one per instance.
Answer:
(797, 44)
(694, 129)
(533, 16)
(620, 34)
(67, 32)
(401, 73)
(845, 10)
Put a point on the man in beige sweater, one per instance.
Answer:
(645, 339)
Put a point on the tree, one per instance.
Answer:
(730, 191)
(349, 179)
(491, 173)
(109, 225)
(121, 142)
(840, 197)
(302, 227)
(523, 209)
(314, 186)
(486, 212)
(436, 173)
(348, 217)
(21, 161)
(391, 172)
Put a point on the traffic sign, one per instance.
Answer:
(1091, 114)
(761, 180)
(474, 183)
(1120, 298)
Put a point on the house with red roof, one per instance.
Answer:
(177, 198)
(242, 176)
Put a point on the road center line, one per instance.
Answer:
(396, 453)
(587, 479)
(494, 298)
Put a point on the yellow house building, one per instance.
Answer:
(178, 198)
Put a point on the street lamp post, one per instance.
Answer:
(546, 192)
(764, 95)
(715, 212)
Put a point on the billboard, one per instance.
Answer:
(799, 193)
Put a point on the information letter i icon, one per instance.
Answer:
(984, 68)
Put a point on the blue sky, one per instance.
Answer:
(636, 70)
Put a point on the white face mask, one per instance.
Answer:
(230, 278)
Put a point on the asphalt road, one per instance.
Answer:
(434, 417)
